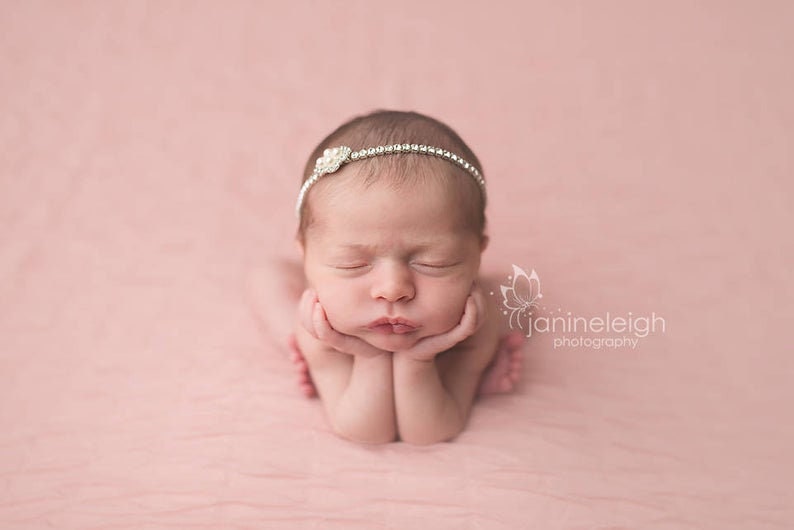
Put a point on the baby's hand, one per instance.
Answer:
(313, 318)
(473, 315)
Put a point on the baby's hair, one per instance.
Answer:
(386, 127)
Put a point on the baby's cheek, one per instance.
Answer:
(338, 308)
(451, 303)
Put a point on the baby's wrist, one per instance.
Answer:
(407, 357)
(373, 353)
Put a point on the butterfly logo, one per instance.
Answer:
(521, 297)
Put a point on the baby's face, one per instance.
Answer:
(390, 266)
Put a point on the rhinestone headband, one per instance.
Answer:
(335, 157)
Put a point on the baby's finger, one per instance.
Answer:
(306, 310)
(480, 306)
(428, 347)
(320, 322)
(344, 343)
(348, 343)
(339, 341)
(468, 323)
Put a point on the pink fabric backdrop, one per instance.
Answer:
(639, 159)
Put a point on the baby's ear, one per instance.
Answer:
(484, 243)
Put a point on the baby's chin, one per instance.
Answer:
(392, 342)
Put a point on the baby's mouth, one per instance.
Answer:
(388, 326)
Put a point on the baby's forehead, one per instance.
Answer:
(362, 239)
(417, 175)
(393, 191)
(343, 190)
(402, 168)
(435, 181)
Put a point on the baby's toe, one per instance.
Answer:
(514, 340)
(514, 377)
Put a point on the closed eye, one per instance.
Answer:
(351, 266)
(433, 266)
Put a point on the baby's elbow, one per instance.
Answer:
(380, 439)
(366, 435)
(432, 436)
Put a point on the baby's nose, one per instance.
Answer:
(393, 283)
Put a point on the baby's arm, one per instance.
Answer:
(433, 396)
(353, 378)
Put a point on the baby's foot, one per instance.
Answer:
(505, 370)
(304, 377)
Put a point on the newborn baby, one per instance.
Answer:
(394, 328)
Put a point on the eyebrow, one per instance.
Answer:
(420, 247)
(356, 247)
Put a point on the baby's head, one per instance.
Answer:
(386, 128)
(394, 236)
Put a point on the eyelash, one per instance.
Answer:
(435, 265)
(351, 267)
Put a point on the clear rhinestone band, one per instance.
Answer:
(335, 157)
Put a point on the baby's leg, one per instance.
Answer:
(273, 292)
(504, 371)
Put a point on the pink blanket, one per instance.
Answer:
(638, 158)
